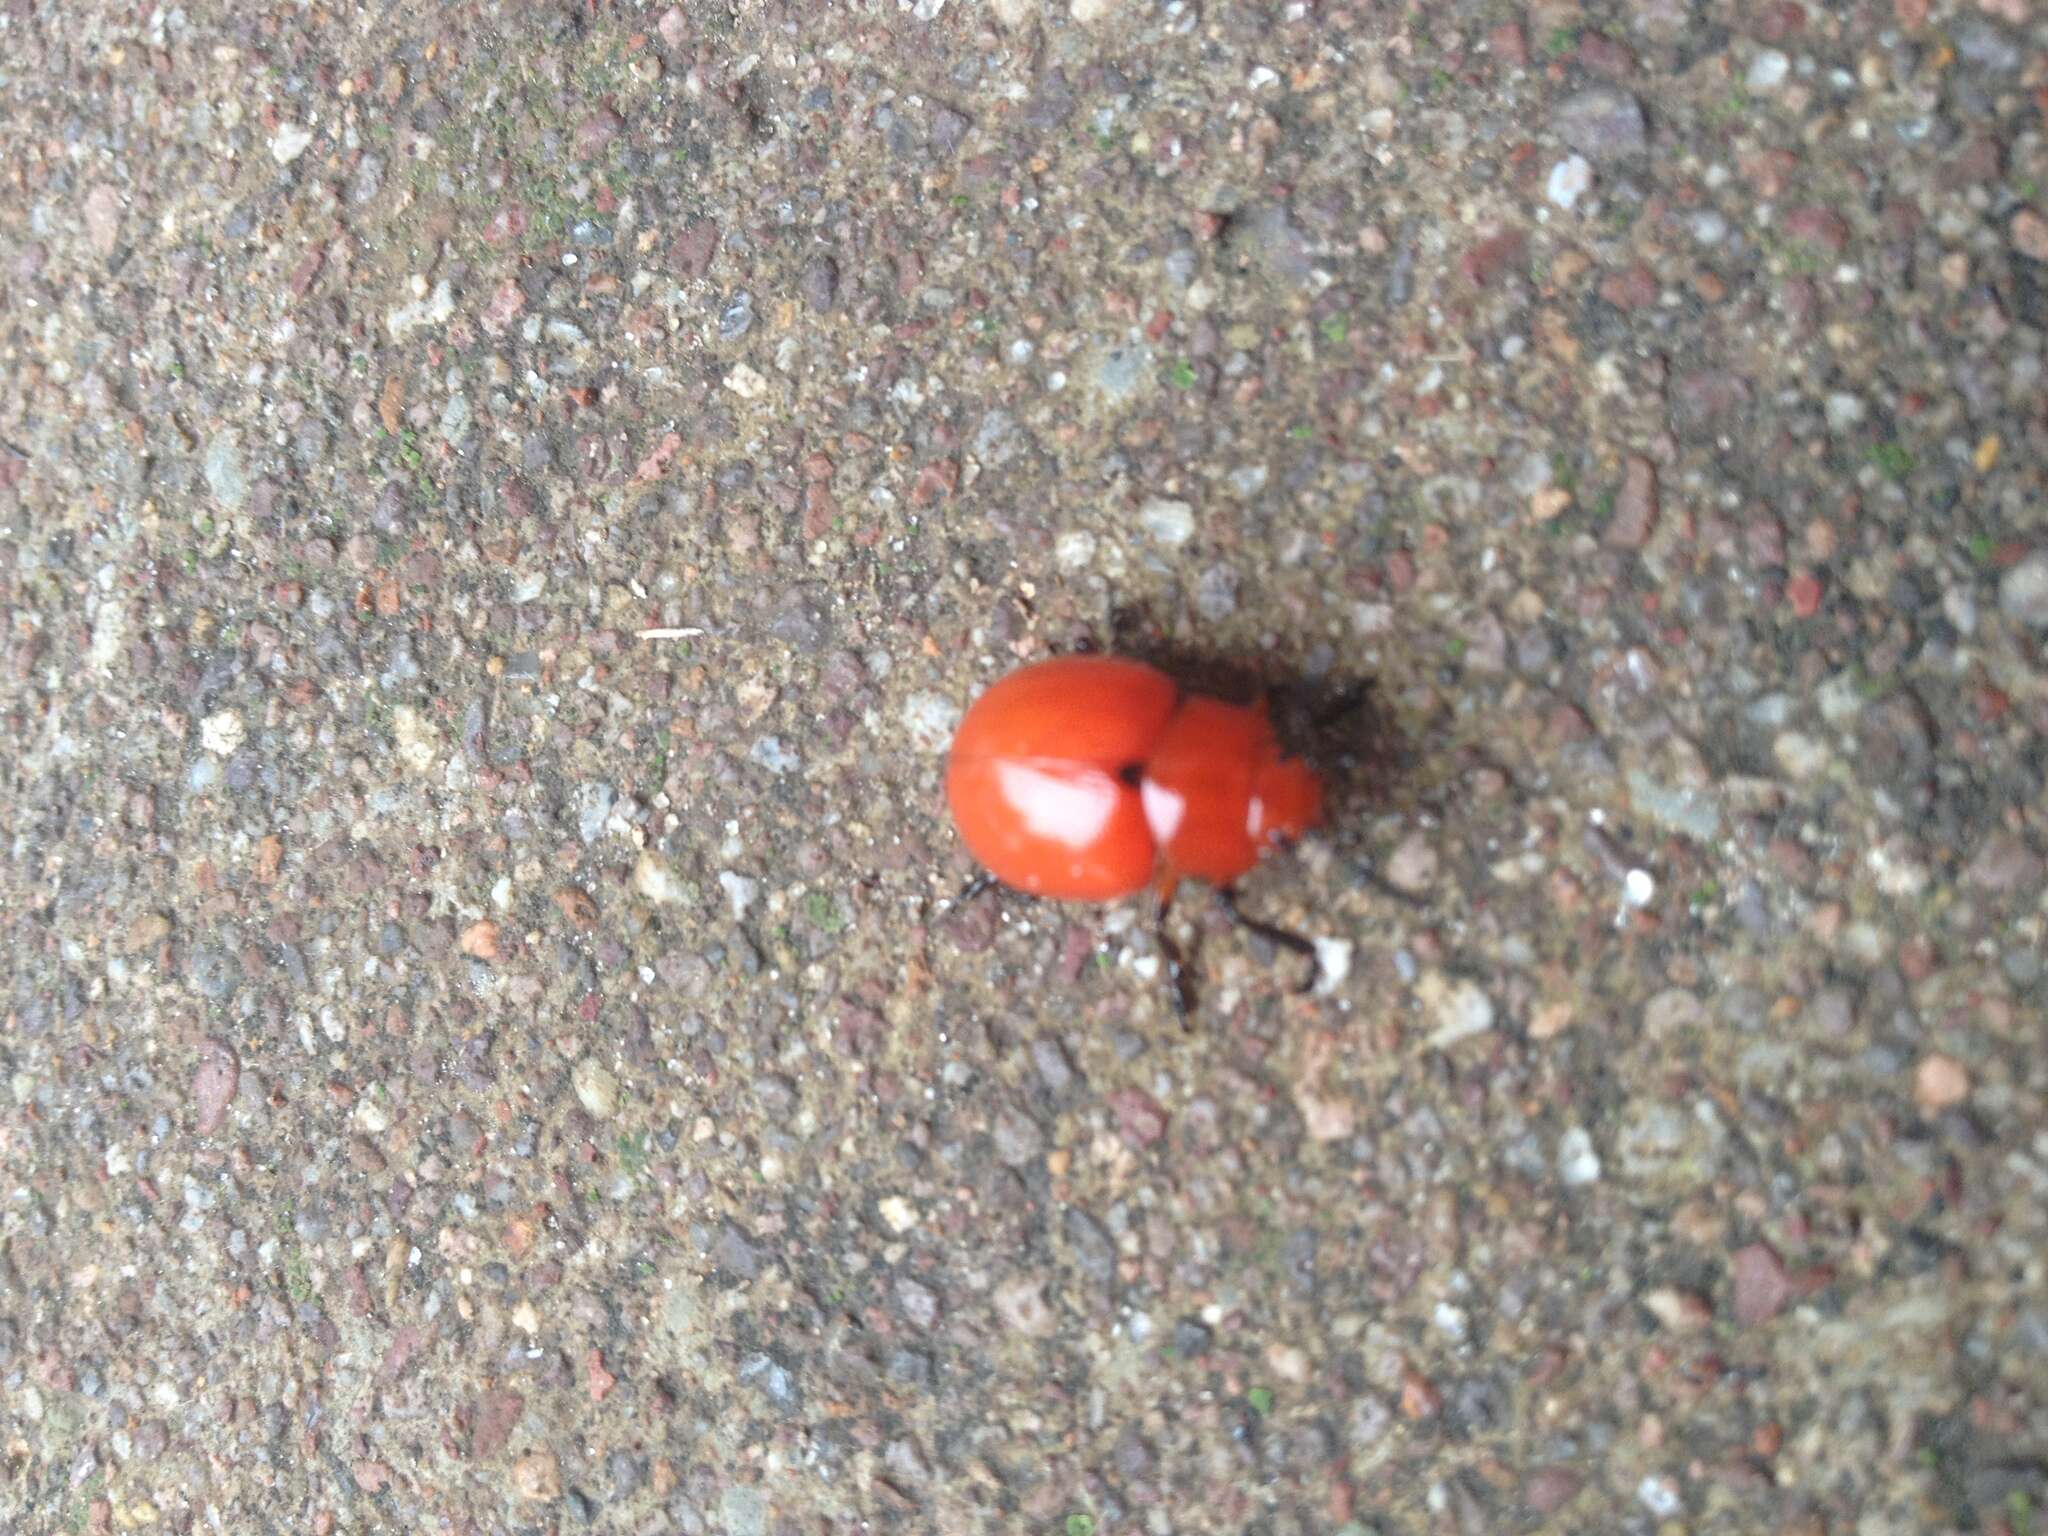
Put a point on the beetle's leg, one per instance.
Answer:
(1176, 963)
(1379, 882)
(1294, 943)
(1355, 697)
(973, 888)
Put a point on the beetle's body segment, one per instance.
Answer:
(1088, 778)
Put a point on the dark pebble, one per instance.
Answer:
(948, 129)
(1603, 123)
(911, 1367)
(1092, 1249)
(820, 283)
(1050, 1058)
(737, 318)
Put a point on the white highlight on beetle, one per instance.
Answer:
(1164, 810)
(1067, 808)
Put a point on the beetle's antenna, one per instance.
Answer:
(1293, 943)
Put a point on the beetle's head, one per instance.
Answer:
(1287, 800)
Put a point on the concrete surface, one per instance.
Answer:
(469, 1065)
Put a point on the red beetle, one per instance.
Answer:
(1089, 778)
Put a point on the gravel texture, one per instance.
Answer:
(501, 508)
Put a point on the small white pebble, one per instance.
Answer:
(746, 382)
(1659, 1497)
(1171, 523)
(739, 891)
(290, 142)
(1577, 1163)
(1074, 550)
(772, 754)
(222, 733)
(1333, 964)
(1570, 179)
(596, 1089)
(652, 878)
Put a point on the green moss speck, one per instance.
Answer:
(1892, 460)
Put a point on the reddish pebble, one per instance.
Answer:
(1551, 1488)
(2029, 233)
(1761, 1285)
(935, 482)
(506, 225)
(601, 1379)
(1940, 1083)
(214, 1085)
(1818, 226)
(695, 247)
(1636, 507)
(1604, 56)
(1635, 288)
(371, 1476)
(1781, 21)
(1076, 945)
(1419, 1400)
(1138, 1116)
(1487, 260)
(1803, 592)
(495, 1416)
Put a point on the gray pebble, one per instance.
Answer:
(911, 1367)
(1216, 593)
(2023, 591)
(916, 1302)
(1983, 46)
(764, 1371)
(1603, 123)
(214, 971)
(737, 318)
(820, 283)
(628, 1474)
(1018, 1140)
(593, 809)
(1050, 1058)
